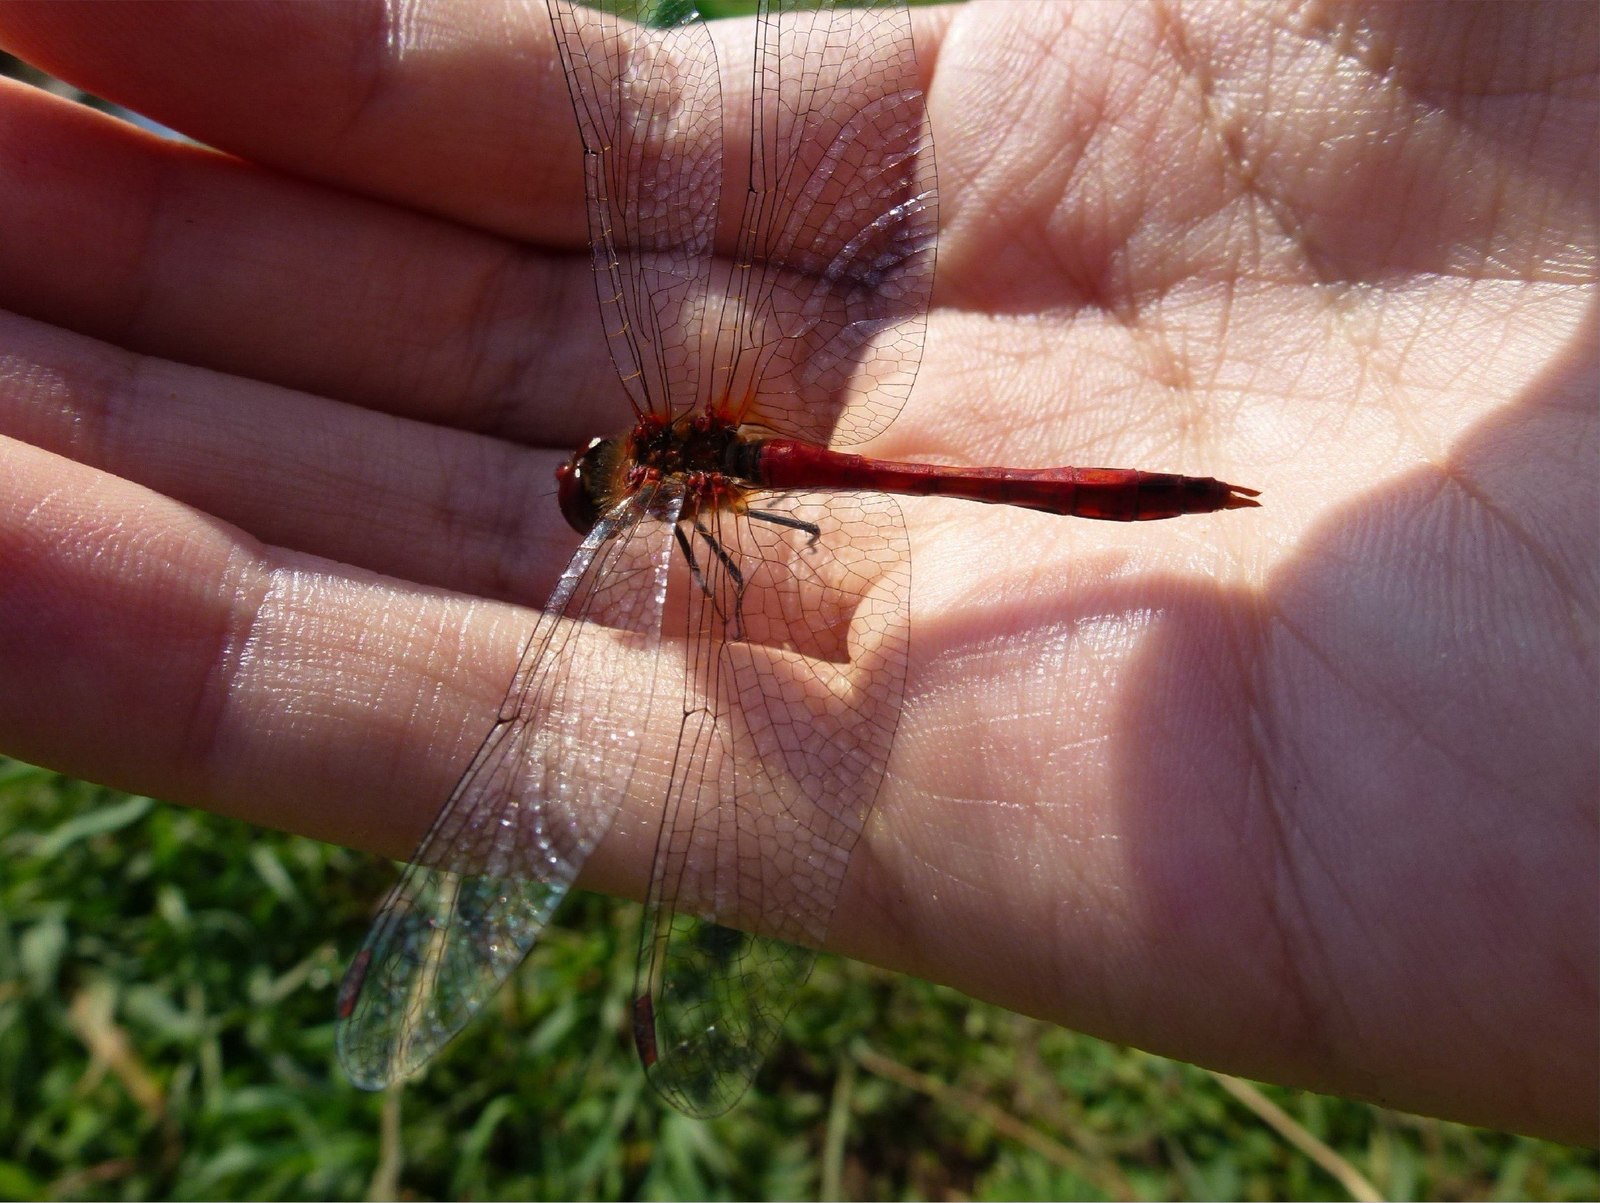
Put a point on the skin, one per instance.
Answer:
(1307, 793)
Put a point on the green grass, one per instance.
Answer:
(166, 1030)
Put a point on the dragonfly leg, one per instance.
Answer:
(700, 581)
(736, 625)
(812, 530)
(727, 560)
(694, 564)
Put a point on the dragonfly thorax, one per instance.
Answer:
(701, 456)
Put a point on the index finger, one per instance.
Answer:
(457, 110)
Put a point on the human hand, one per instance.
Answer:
(1306, 793)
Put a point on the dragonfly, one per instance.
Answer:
(740, 570)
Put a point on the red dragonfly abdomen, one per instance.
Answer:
(1116, 494)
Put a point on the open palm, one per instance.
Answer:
(1307, 792)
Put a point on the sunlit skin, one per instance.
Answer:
(1306, 792)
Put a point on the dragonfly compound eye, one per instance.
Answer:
(581, 486)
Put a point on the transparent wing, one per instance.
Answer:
(648, 103)
(823, 330)
(795, 652)
(537, 797)
(798, 626)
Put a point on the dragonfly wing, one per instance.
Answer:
(649, 108)
(537, 797)
(798, 626)
(834, 266)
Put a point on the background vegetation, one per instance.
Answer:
(166, 1030)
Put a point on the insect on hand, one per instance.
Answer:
(750, 360)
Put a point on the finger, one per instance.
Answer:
(125, 625)
(460, 110)
(184, 254)
(407, 499)
(147, 646)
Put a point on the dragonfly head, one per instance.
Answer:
(583, 485)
